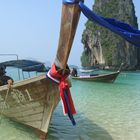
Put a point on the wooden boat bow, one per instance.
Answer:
(60, 70)
(69, 20)
(32, 101)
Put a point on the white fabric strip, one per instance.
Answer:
(48, 74)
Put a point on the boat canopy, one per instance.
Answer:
(126, 31)
(26, 65)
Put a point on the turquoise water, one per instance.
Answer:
(104, 112)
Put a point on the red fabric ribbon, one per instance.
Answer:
(63, 85)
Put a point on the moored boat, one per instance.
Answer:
(32, 101)
(98, 77)
(110, 77)
(37, 97)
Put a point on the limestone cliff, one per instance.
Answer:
(103, 47)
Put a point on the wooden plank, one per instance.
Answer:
(35, 124)
(32, 117)
(26, 112)
(22, 108)
(47, 114)
(14, 104)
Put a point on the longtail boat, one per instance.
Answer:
(110, 77)
(32, 101)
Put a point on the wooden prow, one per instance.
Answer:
(69, 20)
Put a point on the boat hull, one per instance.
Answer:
(99, 78)
(30, 102)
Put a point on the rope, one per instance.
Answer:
(6, 96)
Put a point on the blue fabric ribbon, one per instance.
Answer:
(126, 31)
(68, 108)
(72, 1)
(129, 33)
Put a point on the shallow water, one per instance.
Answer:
(104, 112)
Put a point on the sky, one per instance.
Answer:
(30, 29)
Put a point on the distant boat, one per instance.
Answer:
(110, 78)
(99, 77)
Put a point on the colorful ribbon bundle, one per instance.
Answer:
(67, 102)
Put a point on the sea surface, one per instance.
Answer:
(105, 111)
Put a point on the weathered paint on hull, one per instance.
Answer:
(30, 102)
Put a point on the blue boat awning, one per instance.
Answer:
(26, 65)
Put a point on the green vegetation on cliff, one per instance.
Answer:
(114, 48)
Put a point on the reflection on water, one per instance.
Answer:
(104, 112)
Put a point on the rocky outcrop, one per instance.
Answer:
(102, 46)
